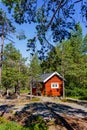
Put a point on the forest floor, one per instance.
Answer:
(59, 115)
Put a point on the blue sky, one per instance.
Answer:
(29, 31)
(21, 44)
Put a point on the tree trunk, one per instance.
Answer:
(15, 89)
(63, 90)
(31, 90)
(63, 70)
(0, 71)
(7, 92)
(1, 53)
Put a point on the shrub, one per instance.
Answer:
(9, 125)
(77, 92)
(38, 124)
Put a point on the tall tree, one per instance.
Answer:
(50, 64)
(34, 70)
(6, 28)
(14, 70)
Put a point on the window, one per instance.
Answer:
(54, 85)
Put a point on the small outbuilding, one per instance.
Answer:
(50, 84)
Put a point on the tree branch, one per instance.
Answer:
(77, 1)
(58, 8)
(44, 3)
(48, 42)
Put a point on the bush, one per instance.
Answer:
(37, 124)
(77, 93)
(24, 91)
(3, 120)
(9, 125)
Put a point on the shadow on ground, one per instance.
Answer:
(79, 102)
(5, 109)
(49, 111)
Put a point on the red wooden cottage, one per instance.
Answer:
(51, 85)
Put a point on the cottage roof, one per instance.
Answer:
(45, 77)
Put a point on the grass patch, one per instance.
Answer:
(35, 99)
(24, 91)
(10, 125)
(37, 124)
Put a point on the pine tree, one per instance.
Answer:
(14, 70)
(6, 28)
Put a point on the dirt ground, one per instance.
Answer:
(57, 114)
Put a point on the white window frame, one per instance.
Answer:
(55, 85)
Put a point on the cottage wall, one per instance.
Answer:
(54, 91)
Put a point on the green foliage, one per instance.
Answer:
(2, 120)
(6, 26)
(14, 72)
(38, 124)
(35, 66)
(35, 69)
(52, 61)
(46, 15)
(69, 58)
(25, 90)
(77, 93)
(9, 125)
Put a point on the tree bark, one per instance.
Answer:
(63, 71)
(1, 54)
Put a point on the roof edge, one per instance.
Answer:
(54, 73)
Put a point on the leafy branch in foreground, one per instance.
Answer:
(55, 17)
